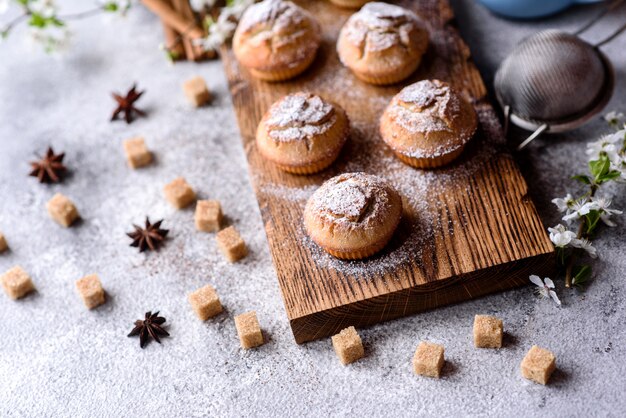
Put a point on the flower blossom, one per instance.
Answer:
(603, 204)
(563, 204)
(580, 208)
(585, 244)
(560, 236)
(544, 288)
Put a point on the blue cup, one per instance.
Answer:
(527, 9)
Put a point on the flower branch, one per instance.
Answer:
(48, 27)
(606, 165)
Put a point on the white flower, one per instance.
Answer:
(52, 38)
(564, 204)
(4, 6)
(603, 204)
(45, 8)
(585, 244)
(607, 144)
(220, 31)
(580, 208)
(560, 236)
(614, 117)
(199, 5)
(544, 288)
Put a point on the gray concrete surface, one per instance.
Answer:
(57, 359)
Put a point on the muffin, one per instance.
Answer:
(349, 4)
(428, 124)
(276, 40)
(302, 133)
(353, 215)
(382, 43)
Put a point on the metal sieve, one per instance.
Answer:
(554, 81)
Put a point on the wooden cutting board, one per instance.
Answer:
(468, 230)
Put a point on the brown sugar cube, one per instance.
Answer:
(196, 91)
(90, 289)
(137, 153)
(348, 345)
(17, 283)
(487, 331)
(3, 243)
(205, 302)
(231, 244)
(62, 210)
(208, 215)
(538, 365)
(179, 193)
(428, 359)
(249, 330)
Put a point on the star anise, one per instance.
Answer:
(126, 104)
(150, 237)
(149, 327)
(48, 169)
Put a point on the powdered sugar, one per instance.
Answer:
(291, 33)
(299, 116)
(352, 199)
(427, 107)
(379, 26)
(346, 200)
(431, 106)
(278, 14)
(290, 194)
(422, 191)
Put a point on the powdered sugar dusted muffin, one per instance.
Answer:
(428, 124)
(382, 43)
(353, 215)
(276, 40)
(302, 133)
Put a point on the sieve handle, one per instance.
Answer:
(534, 135)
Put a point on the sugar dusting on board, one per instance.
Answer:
(422, 192)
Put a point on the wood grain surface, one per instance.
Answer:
(468, 229)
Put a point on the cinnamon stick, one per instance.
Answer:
(180, 17)
(173, 39)
(183, 8)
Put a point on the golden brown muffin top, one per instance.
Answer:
(276, 32)
(379, 26)
(433, 117)
(352, 200)
(299, 116)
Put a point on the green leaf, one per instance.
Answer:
(55, 21)
(611, 175)
(599, 168)
(110, 7)
(582, 178)
(591, 220)
(582, 274)
(37, 21)
(172, 55)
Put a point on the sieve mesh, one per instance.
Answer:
(551, 76)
